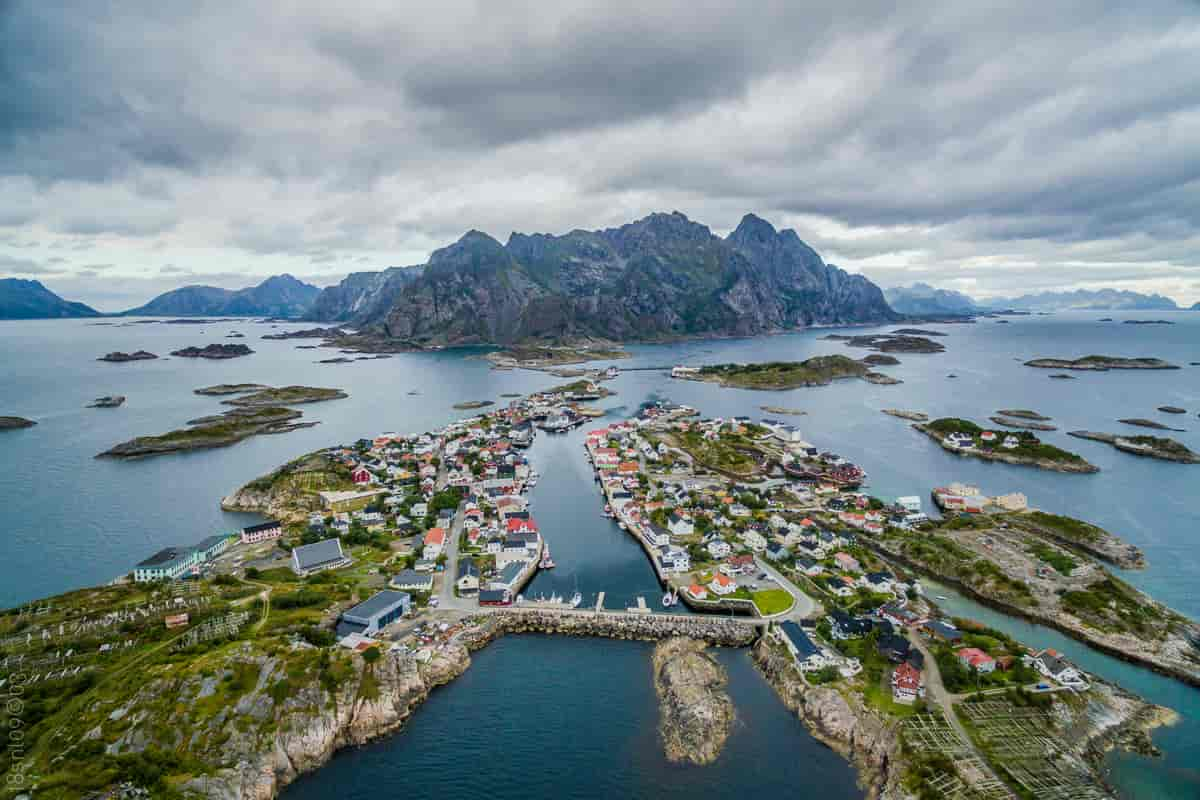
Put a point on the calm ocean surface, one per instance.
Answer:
(72, 520)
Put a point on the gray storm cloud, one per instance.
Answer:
(981, 146)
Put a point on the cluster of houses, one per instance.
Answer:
(986, 440)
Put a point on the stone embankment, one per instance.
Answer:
(695, 712)
(845, 724)
(648, 627)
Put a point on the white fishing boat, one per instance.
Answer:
(669, 599)
(576, 599)
(941, 597)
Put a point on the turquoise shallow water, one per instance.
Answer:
(72, 520)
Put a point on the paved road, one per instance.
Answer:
(935, 690)
(446, 598)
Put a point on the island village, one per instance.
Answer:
(414, 547)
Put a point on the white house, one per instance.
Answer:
(754, 540)
(680, 525)
(719, 548)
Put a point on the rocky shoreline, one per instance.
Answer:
(1076, 467)
(1173, 661)
(867, 740)
(695, 712)
(1147, 446)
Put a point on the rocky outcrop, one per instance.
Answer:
(1159, 447)
(840, 721)
(214, 351)
(117, 357)
(660, 277)
(108, 401)
(267, 737)
(695, 713)
(1100, 363)
(14, 423)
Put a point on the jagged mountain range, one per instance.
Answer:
(277, 296)
(659, 277)
(925, 300)
(24, 299)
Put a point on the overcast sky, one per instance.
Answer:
(994, 150)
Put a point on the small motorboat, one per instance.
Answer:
(576, 599)
(669, 599)
(941, 597)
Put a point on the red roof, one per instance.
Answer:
(514, 525)
(722, 580)
(435, 536)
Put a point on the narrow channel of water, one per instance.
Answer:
(575, 719)
(1177, 774)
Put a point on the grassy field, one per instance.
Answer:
(772, 601)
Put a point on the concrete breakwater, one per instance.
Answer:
(646, 627)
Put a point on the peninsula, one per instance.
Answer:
(1100, 363)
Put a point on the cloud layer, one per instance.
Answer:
(989, 148)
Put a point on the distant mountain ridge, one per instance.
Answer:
(277, 296)
(659, 277)
(921, 299)
(1087, 300)
(27, 299)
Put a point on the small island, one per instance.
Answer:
(108, 401)
(916, 332)
(695, 712)
(1172, 410)
(1023, 413)
(1148, 423)
(965, 438)
(783, 375)
(891, 343)
(286, 395)
(1100, 363)
(1147, 322)
(308, 333)
(1021, 424)
(535, 357)
(214, 351)
(1148, 446)
(230, 388)
(219, 430)
(791, 412)
(470, 405)
(1059, 376)
(880, 360)
(914, 416)
(15, 423)
(118, 357)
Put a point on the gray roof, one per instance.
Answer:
(167, 556)
(211, 541)
(377, 604)
(510, 572)
(410, 577)
(323, 552)
(799, 639)
(466, 567)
